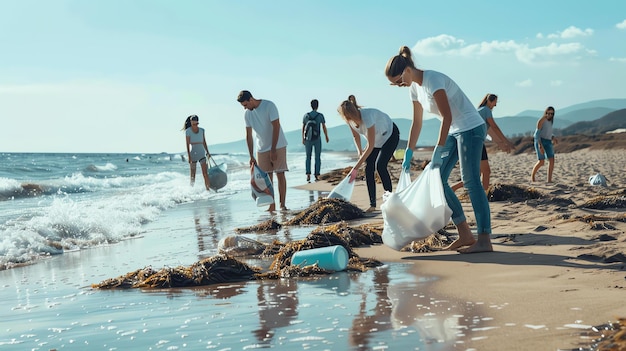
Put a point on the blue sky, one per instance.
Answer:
(122, 75)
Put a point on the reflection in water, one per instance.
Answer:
(366, 323)
(278, 306)
(209, 230)
(338, 283)
(438, 322)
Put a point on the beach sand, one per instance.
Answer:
(557, 268)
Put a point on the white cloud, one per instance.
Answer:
(525, 83)
(621, 25)
(435, 45)
(545, 55)
(618, 59)
(571, 32)
(556, 83)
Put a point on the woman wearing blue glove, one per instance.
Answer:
(382, 136)
(461, 138)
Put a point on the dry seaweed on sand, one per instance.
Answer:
(504, 192)
(326, 210)
(598, 222)
(604, 202)
(213, 270)
(266, 226)
(515, 193)
(433, 242)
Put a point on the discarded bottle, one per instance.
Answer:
(332, 258)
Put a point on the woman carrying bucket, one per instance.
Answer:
(197, 149)
(382, 136)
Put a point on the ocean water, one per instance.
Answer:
(71, 220)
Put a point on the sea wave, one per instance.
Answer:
(66, 223)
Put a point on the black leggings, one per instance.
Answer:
(377, 161)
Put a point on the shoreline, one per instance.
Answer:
(552, 273)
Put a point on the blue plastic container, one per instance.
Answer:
(332, 258)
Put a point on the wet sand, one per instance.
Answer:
(557, 268)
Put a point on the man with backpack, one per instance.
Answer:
(311, 123)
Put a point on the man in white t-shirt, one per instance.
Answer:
(271, 156)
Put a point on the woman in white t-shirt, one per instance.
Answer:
(197, 150)
(381, 135)
(461, 137)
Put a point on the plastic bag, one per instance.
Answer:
(416, 211)
(262, 189)
(597, 179)
(217, 175)
(404, 181)
(343, 190)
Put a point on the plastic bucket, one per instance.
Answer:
(332, 258)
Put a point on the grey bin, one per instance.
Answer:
(217, 175)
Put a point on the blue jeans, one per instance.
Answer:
(308, 146)
(466, 147)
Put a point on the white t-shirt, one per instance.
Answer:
(383, 125)
(464, 114)
(260, 119)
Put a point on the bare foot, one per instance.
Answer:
(483, 244)
(272, 208)
(458, 243)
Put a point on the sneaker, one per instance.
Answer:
(371, 209)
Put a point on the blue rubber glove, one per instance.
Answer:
(406, 162)
(437, 158)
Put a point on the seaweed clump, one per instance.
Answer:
(325, 211)
(431, 243)
(212, 270)
(503, 192)
(604, 202)
(317, 239)
(266, 226)
(224, 268)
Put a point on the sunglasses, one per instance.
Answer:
(550, 113)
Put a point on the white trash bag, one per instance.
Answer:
(597, 179)
(343, 190)
(262, 189)
(415, 212)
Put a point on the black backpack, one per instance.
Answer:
(311, 128)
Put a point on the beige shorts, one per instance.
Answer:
(265, 162)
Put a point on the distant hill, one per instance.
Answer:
(523, 124)
(612, 121)
(611, 104)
